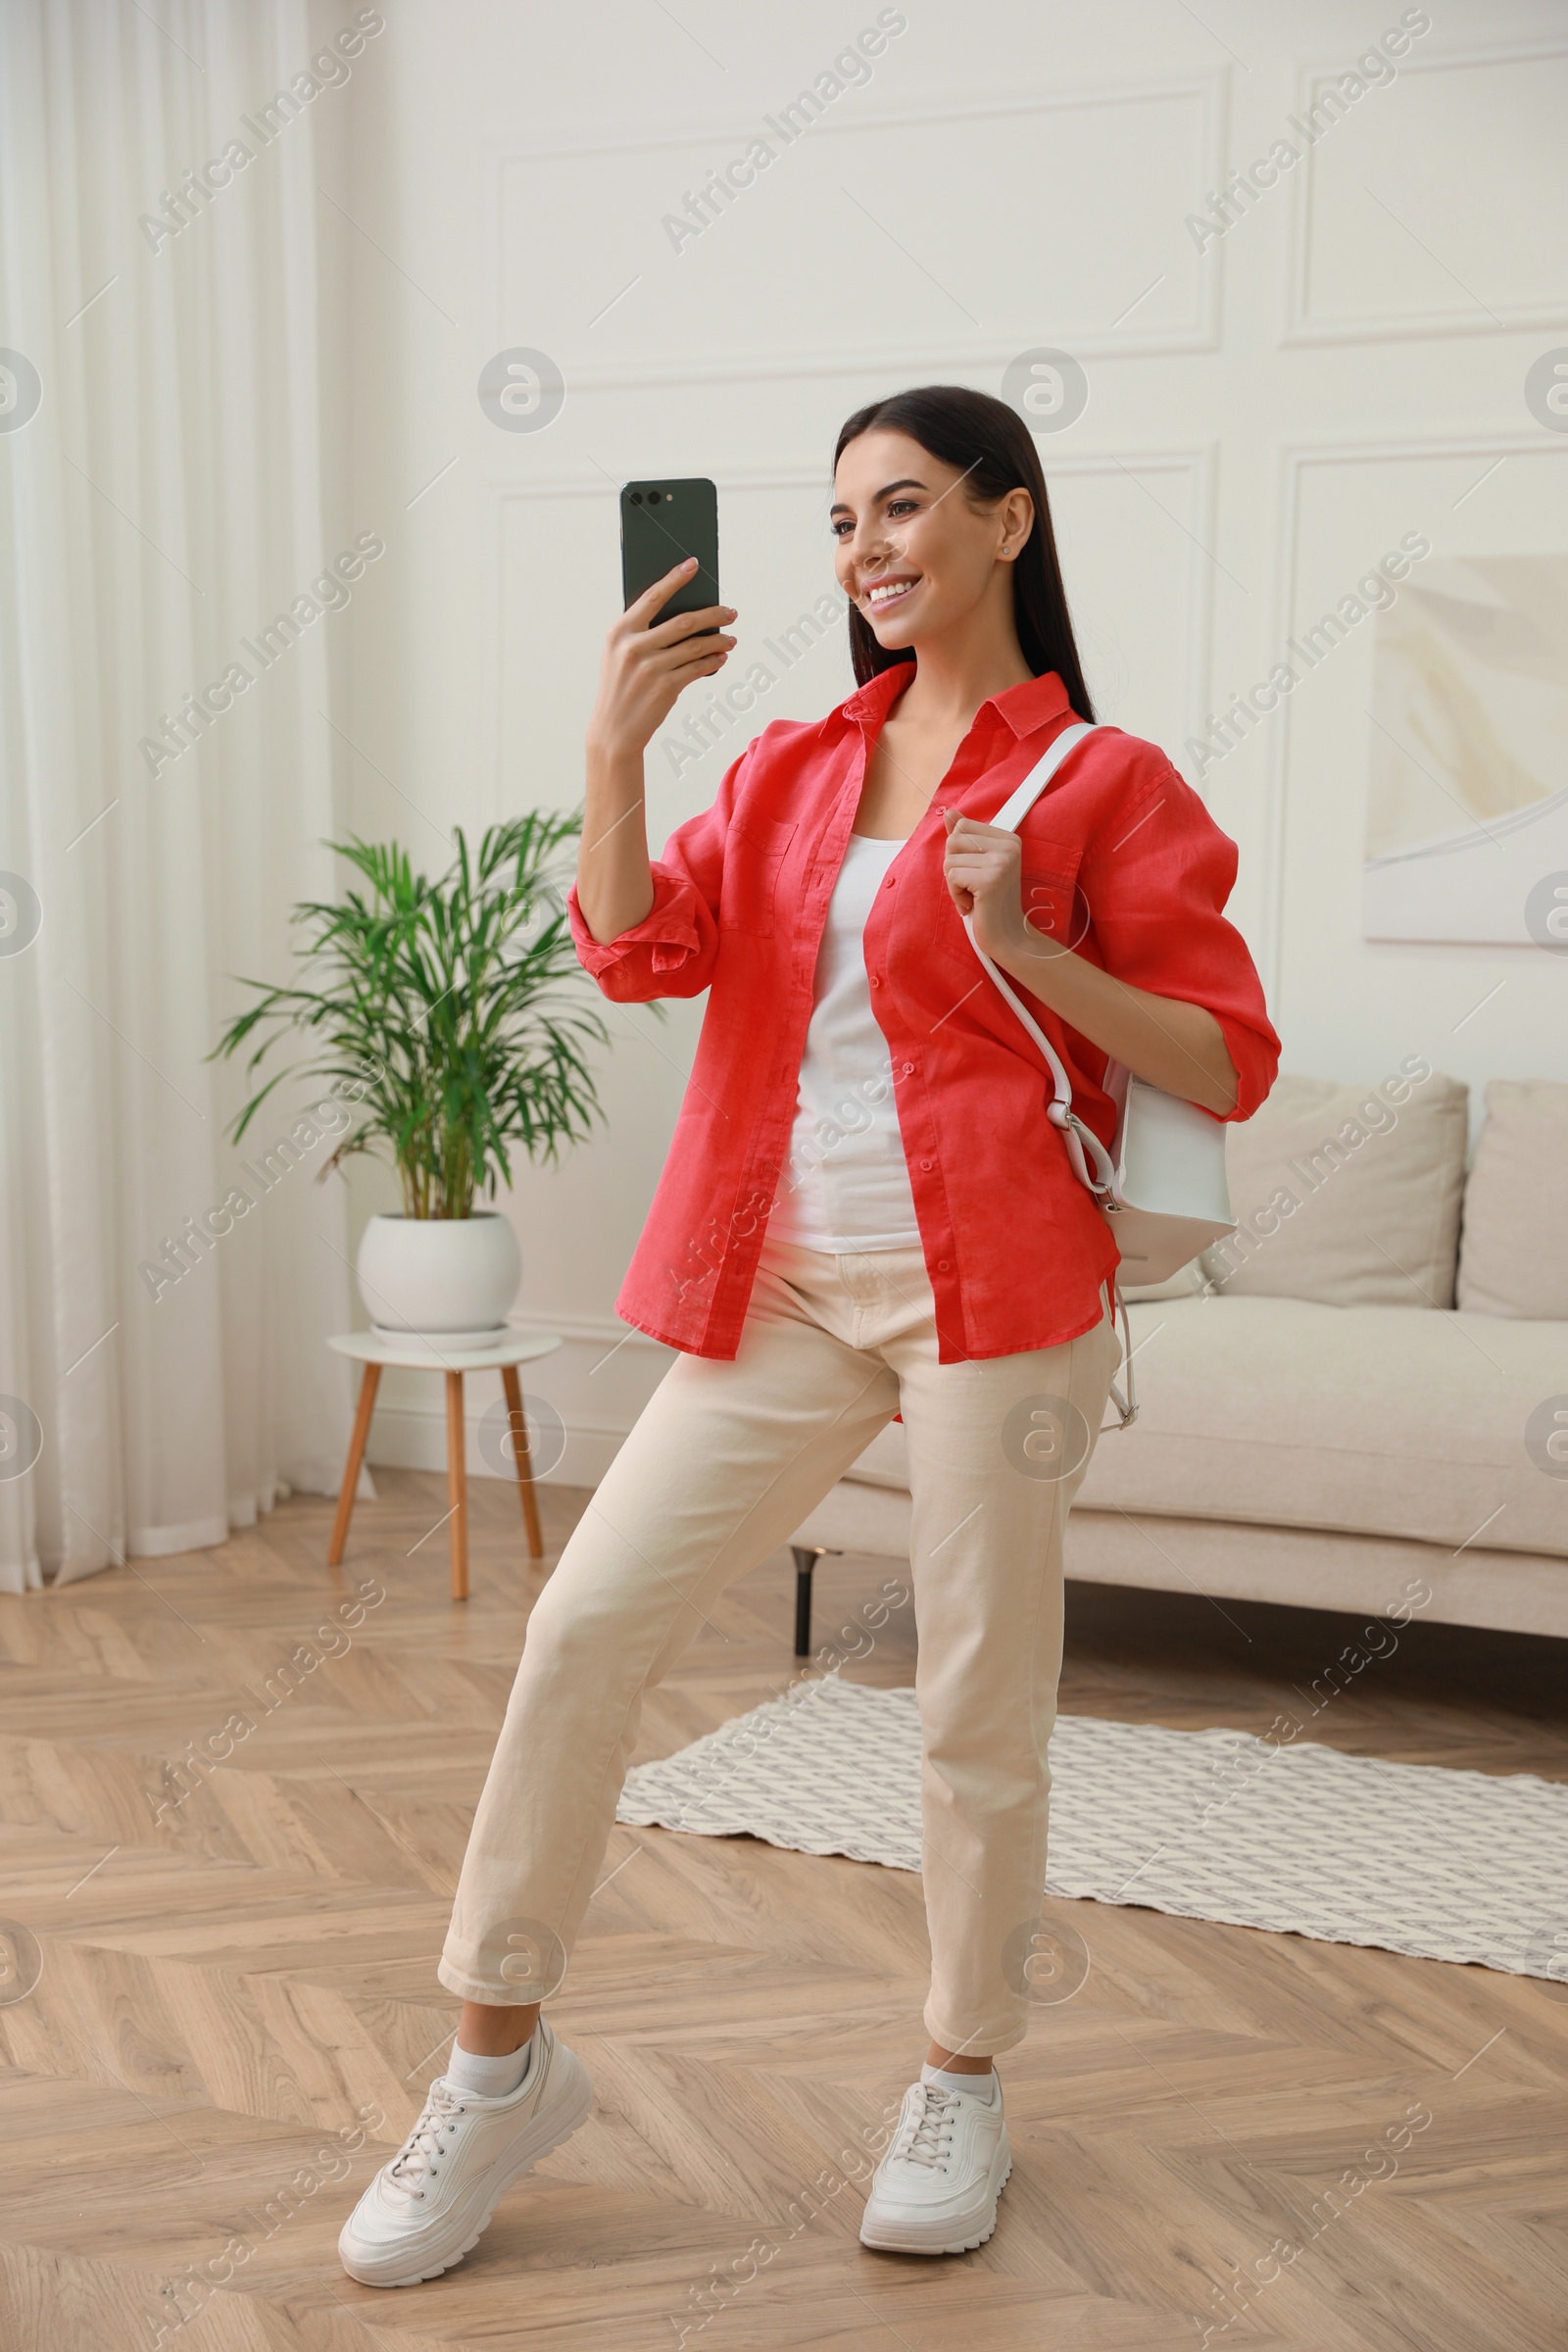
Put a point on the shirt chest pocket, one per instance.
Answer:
(1053, 901)
(755, 850)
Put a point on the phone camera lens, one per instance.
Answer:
(653, 497)
(636, 498)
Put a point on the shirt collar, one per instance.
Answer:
(870, 701)
(1025, 707)
(1030, 705)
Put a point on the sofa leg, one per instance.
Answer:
(805, 1561)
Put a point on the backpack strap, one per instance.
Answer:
(1090, 1160)
(1018, 803)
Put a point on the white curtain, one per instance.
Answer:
(162, 501)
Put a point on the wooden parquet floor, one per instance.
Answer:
(236, 2014)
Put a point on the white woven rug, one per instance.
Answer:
(1208, 1824)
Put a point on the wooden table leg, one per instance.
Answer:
(457, 1485)
(370, 1382)
(525, 1461)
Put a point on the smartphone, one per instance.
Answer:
(661, 524)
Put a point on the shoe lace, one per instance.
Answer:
(928, 2133)
(421, 2152)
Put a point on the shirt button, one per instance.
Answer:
(943, 1266)
(888, 884)
(925, 1163)
(875, 982)
(908, 1069)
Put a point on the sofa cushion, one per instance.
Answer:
(1513, 1254)
(1185, 1283)
(1377, 1420)
(1348, 1196)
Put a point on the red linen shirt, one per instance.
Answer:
(1120, 861)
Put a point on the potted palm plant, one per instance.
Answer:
(449, 1015)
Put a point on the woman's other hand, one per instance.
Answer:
(984, 870)
(1178, 1047)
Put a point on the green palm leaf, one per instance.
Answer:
(452, 1012)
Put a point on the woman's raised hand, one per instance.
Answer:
(647, 663)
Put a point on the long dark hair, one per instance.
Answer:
(995, 451)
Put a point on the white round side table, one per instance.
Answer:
(413, 1354)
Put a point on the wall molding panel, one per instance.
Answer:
(1466, 307)
(1076, 320)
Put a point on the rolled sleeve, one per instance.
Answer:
(657, 955)
(672, 950)
(1255, 1060)
(1157, 892)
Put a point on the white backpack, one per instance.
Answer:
(1161, 1186)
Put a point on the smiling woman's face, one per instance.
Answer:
(912, 553)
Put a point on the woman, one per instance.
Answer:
(863, 1213)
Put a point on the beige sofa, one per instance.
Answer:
(1361, 1401)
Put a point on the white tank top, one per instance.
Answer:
(845, 1185)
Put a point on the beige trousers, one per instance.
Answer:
(721, 1469)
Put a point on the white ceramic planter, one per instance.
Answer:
(450, 1279)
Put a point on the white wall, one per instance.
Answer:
(1345, 366)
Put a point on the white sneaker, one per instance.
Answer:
(935, 2191)
(428, 2208)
